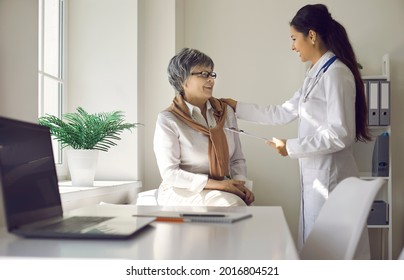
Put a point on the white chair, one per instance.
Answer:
(341, 221)
(401, 256)
(147, 198)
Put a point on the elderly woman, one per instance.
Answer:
(200, 162)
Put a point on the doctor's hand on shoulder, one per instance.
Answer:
(279, 145)
(231, 102)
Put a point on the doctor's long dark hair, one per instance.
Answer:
(334, 36)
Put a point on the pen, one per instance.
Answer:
(171, 219)
(208, 215)
(165, 219)
(240, 131)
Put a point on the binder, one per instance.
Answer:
(380, 159)
(384, 112)
(379, 213)
(366, 90)
(373, 102)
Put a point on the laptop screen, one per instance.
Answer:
(28, 176)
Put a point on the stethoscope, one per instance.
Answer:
(319, 75)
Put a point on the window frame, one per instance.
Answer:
(61, 165)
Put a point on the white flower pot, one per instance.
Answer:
(82, 166)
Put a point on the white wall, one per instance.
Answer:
(18, 62)
(102, 74)
(161, 29)
(18, 59)
(250, 44)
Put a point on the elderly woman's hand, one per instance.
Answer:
(249, 196)
(232, 186)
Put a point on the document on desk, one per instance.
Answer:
(196, 217)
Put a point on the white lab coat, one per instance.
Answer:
(325, 137)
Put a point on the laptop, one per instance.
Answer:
(30, 191)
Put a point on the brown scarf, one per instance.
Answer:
(217, 149)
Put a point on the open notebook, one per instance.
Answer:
(197, 217)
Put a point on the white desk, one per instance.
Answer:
(265, 236)
(116, 192)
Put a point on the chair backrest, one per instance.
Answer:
(401, 256)
(339, 225)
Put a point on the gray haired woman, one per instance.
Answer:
(200, 162)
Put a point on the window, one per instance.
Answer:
(51, 84)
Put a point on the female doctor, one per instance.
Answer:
(330, 107)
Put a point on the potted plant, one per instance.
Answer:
(86, 134)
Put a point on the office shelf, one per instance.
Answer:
(380, 235)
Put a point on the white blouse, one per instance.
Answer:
(182, 152)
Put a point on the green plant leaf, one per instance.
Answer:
(81, 130)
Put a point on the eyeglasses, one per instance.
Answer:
(205, 74)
